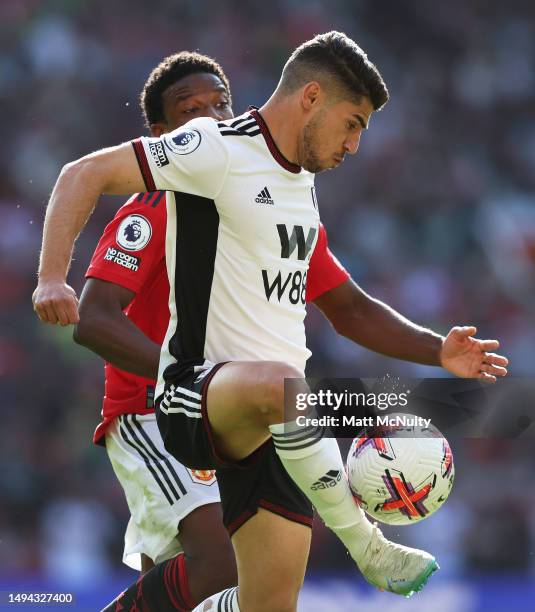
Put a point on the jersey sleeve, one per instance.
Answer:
(325, 272)
(132, 243)
(192, 159)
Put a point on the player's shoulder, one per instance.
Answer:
(244, 125)
(151, 204)
(189, 136)
(142, 217)
(200, 136)
(140, 222)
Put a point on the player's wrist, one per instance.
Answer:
(51, 277)
(50, 283)
(440, 351)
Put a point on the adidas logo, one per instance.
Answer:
(264, 197)
(329, 480)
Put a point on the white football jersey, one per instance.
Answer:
(242, 224)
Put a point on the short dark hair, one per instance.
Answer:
(167, 73)
(334, 59)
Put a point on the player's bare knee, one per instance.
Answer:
(270, 399)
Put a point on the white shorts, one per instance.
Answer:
(159, 490)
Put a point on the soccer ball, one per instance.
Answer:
(403, 478)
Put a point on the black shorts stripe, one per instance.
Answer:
(159, 454)
(233, 598)
(147, 463)
(157, 465)
(224, 600)
(220, 603)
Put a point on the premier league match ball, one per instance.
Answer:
(403, 477)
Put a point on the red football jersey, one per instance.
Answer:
(131, 253)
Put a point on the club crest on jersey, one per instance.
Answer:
(205, 477)
(184, 142)
(134, 233)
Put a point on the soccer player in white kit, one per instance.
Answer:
(237, 303)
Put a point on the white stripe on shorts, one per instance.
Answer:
(175, 404)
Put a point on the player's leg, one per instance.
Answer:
(250, 497)
(242, 400)
(206, 566)
(208, 553)
(271, 553)
(164, 499)
(244, 404)
(146, 563)
(209, 556)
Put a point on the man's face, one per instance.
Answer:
(197, 95)
(333, 131)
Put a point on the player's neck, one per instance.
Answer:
(279, 116)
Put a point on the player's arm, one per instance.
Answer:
(371, 323)
(361, 318)
(374, 325)
(106, 330)
(378, 327)
(80, 184)
(193, 160)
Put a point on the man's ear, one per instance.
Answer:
(311, 95)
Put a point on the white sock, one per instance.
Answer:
(226, 601)
(315, 465)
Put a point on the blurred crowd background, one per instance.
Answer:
(435, 215)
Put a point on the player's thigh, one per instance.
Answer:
(243, 399)
(202, 533)
(146, 563)
(271, 554)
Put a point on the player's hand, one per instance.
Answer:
(469, 357)
(55, 302)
